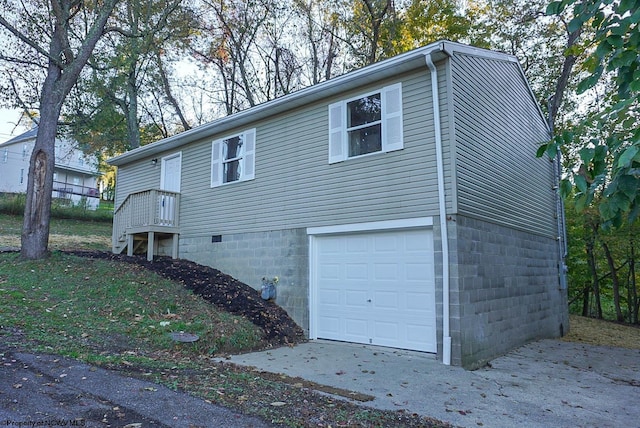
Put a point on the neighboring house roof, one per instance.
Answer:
(29, 135)
(375, 72)
(62, 162)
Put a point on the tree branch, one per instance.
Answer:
(6, 24)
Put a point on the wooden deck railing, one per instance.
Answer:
(145, 211)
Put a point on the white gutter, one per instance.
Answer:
(446, 336)
(336, 86)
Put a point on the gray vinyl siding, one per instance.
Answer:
(296, 187)
(498, 129)
(136, 177)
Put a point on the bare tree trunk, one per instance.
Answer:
(563, 80)
(634, 303)
(35, 227)
(169, 93)
(331, 54)
(376, 23)
(591, 261)
(133, 126)
(37, 212)
(615, 281)
(62, 73)
(585, 299)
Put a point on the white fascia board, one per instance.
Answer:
(410, 223)
(89, 172)
(450, 48)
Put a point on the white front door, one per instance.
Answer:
(170, 181)
(170, 175)
(377, 288)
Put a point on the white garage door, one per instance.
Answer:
(377, 288)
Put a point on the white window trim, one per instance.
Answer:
(247, 160)
(392, 131)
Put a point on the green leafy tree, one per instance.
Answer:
(425, 21)
(53, 40)
(368, 29)
(606, 171)
(127, 90)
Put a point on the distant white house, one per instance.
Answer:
(74, 177)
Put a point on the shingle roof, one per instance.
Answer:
(29, 135)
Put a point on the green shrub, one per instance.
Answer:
(13, 204)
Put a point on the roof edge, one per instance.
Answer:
(404, 62)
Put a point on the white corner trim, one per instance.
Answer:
(371, 226)
(313, 288)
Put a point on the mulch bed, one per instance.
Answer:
(220, 289)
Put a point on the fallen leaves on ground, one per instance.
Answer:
(220, 289)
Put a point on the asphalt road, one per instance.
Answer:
(53, 391)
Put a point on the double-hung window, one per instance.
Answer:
(366, 124)
(233, 158)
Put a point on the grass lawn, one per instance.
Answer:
(64, 233)
(120, 316)
(96, 310)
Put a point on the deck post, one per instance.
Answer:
(129, 244)
(150, 246)
(152, 206)
(174, 246)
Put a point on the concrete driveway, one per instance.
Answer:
(549, 383)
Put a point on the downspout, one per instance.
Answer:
(446, 336)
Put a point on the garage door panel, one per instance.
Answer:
(385, 300)
(356, 299)
(331, 246)
(418, 301)
(415, 271)
(416, 335)
(329, 271)
(356, 244)
(330, 325)
(385, 243)
(417, 243)
(356, 271)
(356, 328)
(383, 271)
(384, 286)
(386, 330)
(329, 297)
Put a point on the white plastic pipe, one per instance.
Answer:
(446, 336)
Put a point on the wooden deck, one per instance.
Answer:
(143, 219)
